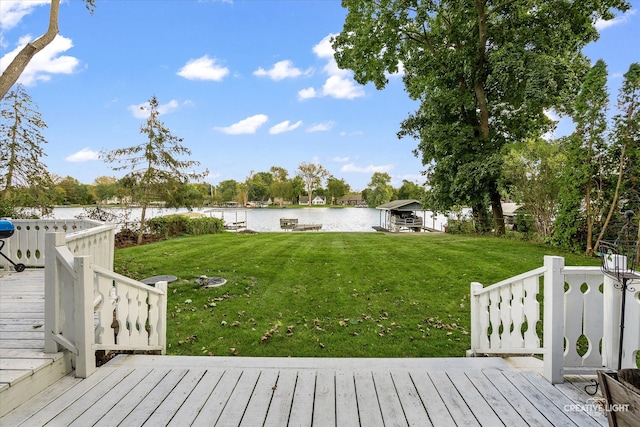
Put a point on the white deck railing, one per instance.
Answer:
(89, 307)
(578, 306)
(26, 246)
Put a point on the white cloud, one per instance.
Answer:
(354, 133)
(338, 159)
(141, 111)
(84, 155)
(281, 70)
(307, 93)
(247, 126)
(351, 167)
(601, 24)
(342, 88)
(339, 84)
(12, 11)
(285, 126)
(321, 127)
(47, 62)
(203, 68)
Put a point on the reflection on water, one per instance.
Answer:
(257, 219)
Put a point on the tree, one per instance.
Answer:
(336, 188)
(591, 124)
(106, 187)
(533, 177)
(13, 71)
(228, 190)
(155, 172)
(74, 192)
(380, 190)
(24, 180)
(280, 186)
(312, 175)
(626, 147)
(585, 155)
(483, 71)
(258, 186)
(410, 190)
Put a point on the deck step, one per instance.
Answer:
(25, 373)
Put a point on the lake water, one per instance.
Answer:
(260, 219)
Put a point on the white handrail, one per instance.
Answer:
(83, 298)
(577, 312)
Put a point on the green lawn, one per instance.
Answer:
(328, 294)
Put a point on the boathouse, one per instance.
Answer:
(400, 215)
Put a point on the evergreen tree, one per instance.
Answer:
(155, 172)
(24, 180)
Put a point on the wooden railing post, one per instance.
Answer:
(51, 291)
(476, 328)
(162, 315)
(553, 320)
(86, 359)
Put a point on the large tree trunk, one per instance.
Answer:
(496, 209)
(483, 108)
(20, 62)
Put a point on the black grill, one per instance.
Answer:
(6, 230)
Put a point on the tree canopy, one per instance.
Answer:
(484, 73)
(155, 171)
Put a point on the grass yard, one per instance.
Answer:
(328, 294)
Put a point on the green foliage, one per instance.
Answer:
(155, 170)
(410, 190)
(380, 190)
(24, 179)
(178, 225)
(484, 73)
(336, 188)
(532, 176)
(312, 175)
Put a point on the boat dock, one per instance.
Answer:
(292, 224)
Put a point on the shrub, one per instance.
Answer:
(177, 225)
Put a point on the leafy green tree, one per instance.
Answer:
(483, 71)
(625, 146)
(258, 185)
(24, 180)
(74, 192)
(297, 187)
(336, 188)
(410, 190)
(280, 187)
(585, 156)
(380, 189)
(312, 175)
(106, 187)
(155, 172)
(591, 118)
(228, 190)
(532, 174)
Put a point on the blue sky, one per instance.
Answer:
(246, 84)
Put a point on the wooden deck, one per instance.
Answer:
(182, 391)
(24, 367)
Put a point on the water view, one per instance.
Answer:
(258, 219)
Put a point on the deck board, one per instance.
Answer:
(153, 390)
